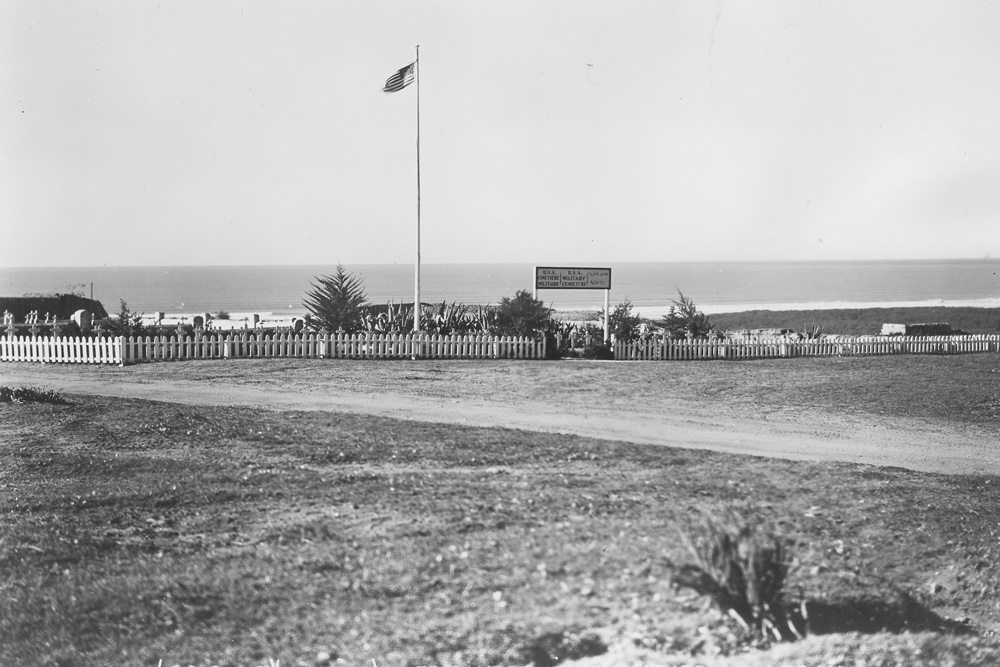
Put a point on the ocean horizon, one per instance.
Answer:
(650, 286)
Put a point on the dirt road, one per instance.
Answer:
(641, 403)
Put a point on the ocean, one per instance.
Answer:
(714, 286)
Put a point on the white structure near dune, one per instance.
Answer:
(236, 321)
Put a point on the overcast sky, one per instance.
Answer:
(201, 133)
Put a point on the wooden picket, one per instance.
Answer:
(289, 345)
(702, 349)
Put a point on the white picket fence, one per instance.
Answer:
(666, 350)
(124, 351)
(288, 345)
(61, 349)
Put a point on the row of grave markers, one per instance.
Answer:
(82, 317)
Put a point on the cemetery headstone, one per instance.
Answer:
(84, 318)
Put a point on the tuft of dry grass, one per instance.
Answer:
(743, 565)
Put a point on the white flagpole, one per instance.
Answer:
(416, 280)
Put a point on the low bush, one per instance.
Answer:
(72, 330)
(685, 320)
(126, 323)
(624, 324)
(30, 395)
(521, 315)
(597, 351)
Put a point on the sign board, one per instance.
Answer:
(559, 277)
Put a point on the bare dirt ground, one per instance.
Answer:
(228, 512)
(793, 409)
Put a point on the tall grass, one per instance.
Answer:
(742, 564)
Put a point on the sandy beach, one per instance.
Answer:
(647, 311)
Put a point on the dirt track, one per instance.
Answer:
(630, 402)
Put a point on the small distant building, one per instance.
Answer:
(936, 329)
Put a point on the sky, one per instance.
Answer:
(243, 133)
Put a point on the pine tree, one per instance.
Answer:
(684, 319)
(336, 302)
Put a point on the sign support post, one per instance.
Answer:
(607, 316)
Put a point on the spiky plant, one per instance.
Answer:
(399, 319)
(742, 565)
(448, 318)
(484, 320)
(812, 332)
(392, 319)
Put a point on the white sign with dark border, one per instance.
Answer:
(571, 277)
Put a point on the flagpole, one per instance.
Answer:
(416, 280)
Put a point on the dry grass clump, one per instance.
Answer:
(30, 395)
(742, 565)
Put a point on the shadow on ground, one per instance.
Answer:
(869, 614)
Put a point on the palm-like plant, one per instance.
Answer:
(336, 302)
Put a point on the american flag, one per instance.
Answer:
(400, 79)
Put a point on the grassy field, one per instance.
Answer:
(134, 532)
(845, 321)
(861, 321)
